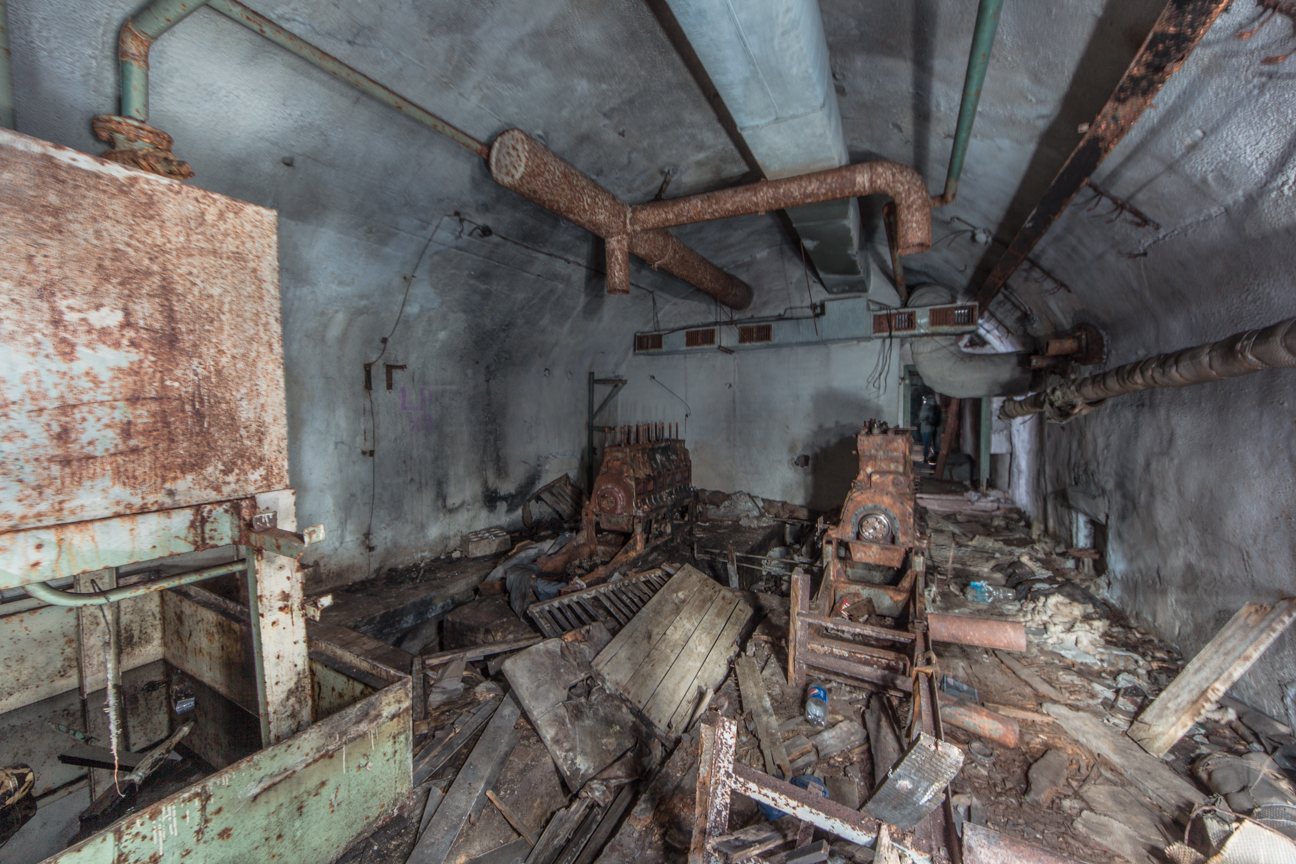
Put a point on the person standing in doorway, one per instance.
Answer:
(929, 417)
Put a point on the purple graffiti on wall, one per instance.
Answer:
(421, 421)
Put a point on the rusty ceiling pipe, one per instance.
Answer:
(1240, 354)
(1176, 33)
(902, 184)
(519, 162)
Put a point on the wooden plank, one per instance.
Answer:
(755, 839)
(479, 652)
(450, 741)
(714, 668)
(1038, 684)
(510, 853)
(680, 636)
(1157, 780)
(607, 824)
(664, 606)
(682, 664)
(358, 643)
(469, 788)
(512, 818)
(755, 698)
(560, 827)
(1215, 669)
(799, 610)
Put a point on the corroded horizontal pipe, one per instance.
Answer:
(979, 721)
(980, 632)
(1240, 354)
(43, 592)
(903, 184)
(519, 162)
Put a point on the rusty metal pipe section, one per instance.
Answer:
(979, 721)
(43, 592)
(902, 184)
(979, 632)
(519, 162)
(1240, 354)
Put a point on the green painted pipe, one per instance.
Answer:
(6, 71)
(137, 35)
(987, 22)
(43, 592)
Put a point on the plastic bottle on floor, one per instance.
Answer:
(816, 711)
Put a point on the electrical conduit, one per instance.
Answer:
(43, 592)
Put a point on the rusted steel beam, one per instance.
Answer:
(902, 184)
(980, 632)
(980, 721)
(806, 806)
(519, 162)
(1176, 33)
(1273, 347)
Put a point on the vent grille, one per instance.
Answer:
(895, 322)
(648, 342)
(952, 316)
(752, 333)
(699, 338)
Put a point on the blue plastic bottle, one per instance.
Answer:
(816, 712)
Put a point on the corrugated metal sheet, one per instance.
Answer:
(141, 351)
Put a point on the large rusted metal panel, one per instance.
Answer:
(141, 351)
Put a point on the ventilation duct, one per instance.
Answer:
(951, 371)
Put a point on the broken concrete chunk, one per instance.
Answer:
(1046, 777)
(487, 541)
(846, 735)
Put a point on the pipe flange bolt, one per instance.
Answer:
(138, 145)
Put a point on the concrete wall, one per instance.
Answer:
(1194, 485)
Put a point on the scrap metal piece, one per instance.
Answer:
(613, 603)
(913, 788)
(980, 632)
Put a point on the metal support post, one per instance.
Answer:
(278, 632)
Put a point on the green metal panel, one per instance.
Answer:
(56, 551)
(302, 800)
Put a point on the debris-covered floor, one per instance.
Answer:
(570, 733)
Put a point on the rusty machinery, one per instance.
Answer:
(869, 625)
(643, 490)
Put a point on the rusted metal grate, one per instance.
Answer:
(613, 603)
(648, 342)
(895, 322)
(952, 316)
(699, 338)
(751, 333)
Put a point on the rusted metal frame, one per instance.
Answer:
(279, 641)
(1240, 354)
(827, 815)
(867, 654)
(715, 779)
(520, 163)
(847, 626)
(904, 185)
(1177, 32)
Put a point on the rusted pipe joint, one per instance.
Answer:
(133, 46)
(139, 145)
(519, 162)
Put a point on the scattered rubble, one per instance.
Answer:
(564, 721)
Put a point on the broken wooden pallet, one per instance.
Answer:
(1215, 669)
(613, 603)
(677, 647)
